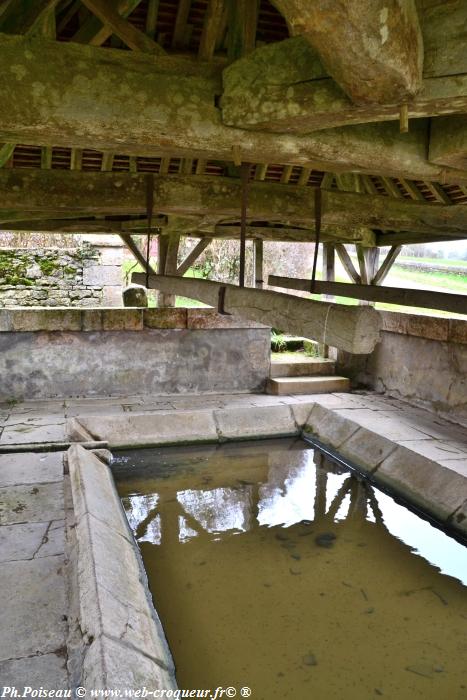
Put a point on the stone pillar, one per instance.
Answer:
(106, 271)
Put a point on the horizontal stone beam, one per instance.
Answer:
(282, 87)
(96, 193)
(372, 48)
(354, 329)
(421, 298)
(66, 94)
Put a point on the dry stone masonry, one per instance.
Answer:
(54, 277)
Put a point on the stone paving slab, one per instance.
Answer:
(30, 468)
(46, 670)
(32, 540)
(27, 433)
(34, 607)
(32, 503)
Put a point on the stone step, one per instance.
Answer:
(302, 367)
(307, 385)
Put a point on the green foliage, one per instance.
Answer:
(278, 342)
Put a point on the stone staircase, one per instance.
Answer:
(304, 375)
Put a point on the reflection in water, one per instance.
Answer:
(293, 577)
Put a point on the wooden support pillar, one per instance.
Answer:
(368, 261)
(388, 262)
(329, 275)
(258, 266)
(167, 264)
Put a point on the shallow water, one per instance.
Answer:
(293, 578)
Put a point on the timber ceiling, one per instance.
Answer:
(227, 33)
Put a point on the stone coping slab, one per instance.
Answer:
(451, 330)
(125, 645)
(27, 319)
(396, 449)
(439, 491)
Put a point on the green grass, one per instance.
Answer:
(434, 261)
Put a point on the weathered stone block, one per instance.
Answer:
(160, 429)
(165, 318)
(255, 422)
(366, 449)
(45, 320)
(457, 331)
(94, 491)
(110, 664)
(437, 490)
(329, 427)
(135, 295)
(30, 468)
(102, 275)
(122, 319)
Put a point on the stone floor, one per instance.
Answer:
(33, 576)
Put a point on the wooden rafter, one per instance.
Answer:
(128, 33)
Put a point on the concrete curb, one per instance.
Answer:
(125, 642)
(435, 489)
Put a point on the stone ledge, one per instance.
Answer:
(126, 646)
(255, 422)
(437, 490)
(34, 319)
(429, 327)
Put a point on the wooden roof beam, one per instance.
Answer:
(283, 87)
(73, 76)
(372, 48)
(128, 33)
(112, 193)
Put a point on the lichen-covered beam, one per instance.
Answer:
(372, 48)
(97, 193)
(65, 94)
(283, 87)
(448, 143)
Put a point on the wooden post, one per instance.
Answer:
(167, 264)
(329, 274)
(258, 255)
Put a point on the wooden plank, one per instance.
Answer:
(304, 177)
(107, 162)
(93, 32)
(361, 265)
(422, 298)
(260, 171)
(391, 187)
(243, 19)
(32, 20)
(353, 329)
(46, 157)
(130, 243)
(129, 34)
(76, 158)
(200, 166)
(6, 152)
(259, 262)
(412, 189)
(347, 263)
(193, 256)
(286, 173)
(388, 262)
(151, 18)
(183, 12)
(441, 196)
(211, 29)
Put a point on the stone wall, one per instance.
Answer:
(123, 352)
(422, 359)
(86, 275)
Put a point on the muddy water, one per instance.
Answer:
(271, 568)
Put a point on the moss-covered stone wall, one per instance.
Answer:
(48, 277)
